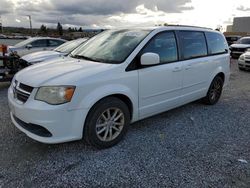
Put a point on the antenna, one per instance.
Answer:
(29, 16)
(1, 23)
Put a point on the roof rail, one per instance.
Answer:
(187, 26)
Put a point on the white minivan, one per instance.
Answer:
(116, 78)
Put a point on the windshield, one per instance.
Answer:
(112, 46)
(244, 41)
(24, 43)
(70, 46)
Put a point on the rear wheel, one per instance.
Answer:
(214, 92)
(242, 69)
(107, 123)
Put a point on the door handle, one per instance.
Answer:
(177, 69)
(188, 67)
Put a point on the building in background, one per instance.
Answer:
(240, 27)
(241, 24)
(230, 28)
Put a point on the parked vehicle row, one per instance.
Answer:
(35, 44)
(62, 50)
(14, 61)
(116, 78)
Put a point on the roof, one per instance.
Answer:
(46, 38)
(173, 27)
(184, 27)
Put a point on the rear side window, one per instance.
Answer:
(216, 43)
(163, 44)
(55, 43)
(39, 43)
(193, 44)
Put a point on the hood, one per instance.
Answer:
(240, 46)
(41, 56)
(60, 71)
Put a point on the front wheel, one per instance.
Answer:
(107, 123)
(214, 92)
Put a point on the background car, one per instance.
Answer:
(240, 47)
(35, 44)
(2, 36)
(244, 61)
(61, 50)
(232, 39)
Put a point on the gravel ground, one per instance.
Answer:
(192, 146)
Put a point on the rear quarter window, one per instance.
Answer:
(216, 43)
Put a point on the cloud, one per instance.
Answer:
(6, 7)
(93, 12)
(242, 8)
(168, 6)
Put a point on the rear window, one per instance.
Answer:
(193, 44)
(216, 43)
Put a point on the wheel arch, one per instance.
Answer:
(123, 98)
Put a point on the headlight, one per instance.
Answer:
(242, 58)
(55, 94)
(13, 83)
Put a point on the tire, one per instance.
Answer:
(242, 69)
(214, 91)
(103, 117)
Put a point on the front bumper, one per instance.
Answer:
(64, 125)
(244, 64)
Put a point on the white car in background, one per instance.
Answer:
(63, 50)
(244, 61)
(35, 44)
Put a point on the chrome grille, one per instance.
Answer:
(21, 91)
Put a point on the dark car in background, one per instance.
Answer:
(240, 47)
(232, 39)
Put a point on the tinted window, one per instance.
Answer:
(193, 44)
(216, 43)
(55, 42)
(39, 43)
(164, 44)
(244, 41)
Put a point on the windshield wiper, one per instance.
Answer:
(84, 57)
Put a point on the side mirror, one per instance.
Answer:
(29, 46)
(150, 59)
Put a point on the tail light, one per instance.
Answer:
(3, 49)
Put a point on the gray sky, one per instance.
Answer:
(120, 13)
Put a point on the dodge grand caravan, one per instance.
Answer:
(116, 78)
